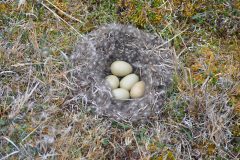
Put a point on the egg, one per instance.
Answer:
(121, 94)
(128, 81)
(137, 91)
(121, 68)
(112, 81)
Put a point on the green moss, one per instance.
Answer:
(119, 125)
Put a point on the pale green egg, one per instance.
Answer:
(128, 81)
(138, 89)
(112, 81)
(121, 94)
(121, 68)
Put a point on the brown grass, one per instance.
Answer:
(200, 120)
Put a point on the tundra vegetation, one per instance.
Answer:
(199, 120)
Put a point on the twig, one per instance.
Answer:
(137, 145)
(11, 142)
(32, 131)
(69, 16)
(6, 157)
(25, 64)
(203, 87)
(171, 39)
(6, 72)
(56, 15)
(15, 152)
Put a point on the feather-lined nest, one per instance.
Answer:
(150, 57)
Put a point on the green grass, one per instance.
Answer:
(36, 41)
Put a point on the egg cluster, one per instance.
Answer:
(129, 84)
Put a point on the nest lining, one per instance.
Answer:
(150, 59)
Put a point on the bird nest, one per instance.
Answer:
(150, 57)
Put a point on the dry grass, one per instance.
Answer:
(200, 120)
